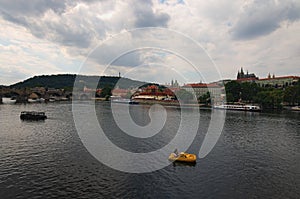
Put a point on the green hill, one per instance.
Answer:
(66, 81)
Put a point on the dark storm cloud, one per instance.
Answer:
(145, 16)
(264, 17)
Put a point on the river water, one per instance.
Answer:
(256, 156)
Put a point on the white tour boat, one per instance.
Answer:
(238, 107)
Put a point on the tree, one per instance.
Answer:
(106, 92)
(298, 92)
(290, 95)
(233, 89)
(248, 91)
(270, 99)
(229, 97)
(205, 99)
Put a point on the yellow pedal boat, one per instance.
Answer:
(183, 157)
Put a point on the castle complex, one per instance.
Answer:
(269, 81)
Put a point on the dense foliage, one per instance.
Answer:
(205, 99)
(106, 92)
(272, 98)
(66, 81)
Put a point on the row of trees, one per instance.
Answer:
(272, 98)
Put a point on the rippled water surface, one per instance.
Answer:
(257, 156)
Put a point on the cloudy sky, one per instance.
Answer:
(158, 40)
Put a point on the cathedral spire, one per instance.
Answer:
(242, 72)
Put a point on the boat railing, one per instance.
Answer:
(32, 113)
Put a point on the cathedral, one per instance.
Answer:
(242, 75)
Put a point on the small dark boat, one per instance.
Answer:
(32, 115)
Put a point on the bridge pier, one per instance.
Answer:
(22, 99)
(1, 102)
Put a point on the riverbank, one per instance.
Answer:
(170, 103)
(147, 102)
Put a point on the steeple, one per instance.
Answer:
(242, 72)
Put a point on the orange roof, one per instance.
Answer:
(152, 87)
(247, 79)
(152, 94)
(202, 85)
(282, 77)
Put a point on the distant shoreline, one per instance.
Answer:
(151, 102)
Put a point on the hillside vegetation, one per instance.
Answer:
(66, 81)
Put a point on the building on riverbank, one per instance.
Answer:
(275, 82)
(278, 82)
(153, 92)
(201, 89)
(269, 81)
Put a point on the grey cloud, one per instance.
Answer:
(74, 29)
(264, 17)
(30, 16)
(58, 32)
(69, 36)
(32, 7)
(145, 17)
(254, 28)
(17, 20)
(112, 53)
(130, 59)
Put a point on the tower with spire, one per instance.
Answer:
(242, 75)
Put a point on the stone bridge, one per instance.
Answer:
(22, 95)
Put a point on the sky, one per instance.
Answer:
(158, 40)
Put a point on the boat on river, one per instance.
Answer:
(182, 157)
(32, 115)
(238, 107)
(295, 108)
(6, 100)
(38, 100)
(123, 101)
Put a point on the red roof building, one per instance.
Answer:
(201, 89)
(278, 82)
(153, 92)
